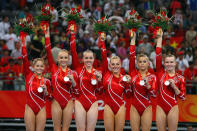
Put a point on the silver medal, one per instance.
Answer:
(167, 83)
(93, 82)
(66, 79)
(40, 89)
(142, 82)
(124, 78)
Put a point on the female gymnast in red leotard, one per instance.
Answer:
(86, 106)
(37, 91)
(170, 85)
(143, 85)
(63, 82)
(115, 85)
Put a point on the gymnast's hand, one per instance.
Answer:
(102, 36)
(147, 84)
(128, 78)
(172, 83)
(72, 28)
(45, 89)
(45, 29)
(98, 75)
(70, 76)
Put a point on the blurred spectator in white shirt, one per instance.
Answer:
(125, 64)
(17, 51)
(153, 58)
(10, 38)
(182, 62)
(4, 26)
(190, 34)
(145, 45)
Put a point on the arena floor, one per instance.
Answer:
(18, 125)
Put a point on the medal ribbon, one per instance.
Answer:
(63, 74)
(38, 83)
(92, 71)
(167, 76)
(139, 75)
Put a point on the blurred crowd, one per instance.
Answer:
(180, 39)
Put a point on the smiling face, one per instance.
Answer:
(63, 58)
(115, 64)
(38, 66)
(88, 58)
(170, 63)
(142, 62)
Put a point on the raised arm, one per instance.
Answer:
(45, 28)
(101, 44)
(159, 54)
(26, 63)
(75, 61)
(132, 54)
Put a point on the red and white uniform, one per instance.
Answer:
(35, 100)
(114, 87)
(62, 90)
(141, 95)
(167, 97)
(86, 90)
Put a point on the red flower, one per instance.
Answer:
(28, 18)
(138, 17)
(155, 20)
(134, 11)
(157, 27)
(158, 17)
(109, 24)
(163, 13)
(126, 19)
(79, 7)
(102, 18)
(167, 19)
(48, 12)
(42, 10)
(73, 9)
(22, 25)
(131, 13)
(134, 29)
(51, 8)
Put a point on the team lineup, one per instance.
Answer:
(74, 89)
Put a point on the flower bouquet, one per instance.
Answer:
(133, 22)
(160, 22)
(74, 18)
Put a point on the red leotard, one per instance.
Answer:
(114, 87)
(167, 97)
(35, 100)
(141, 94)
(61, 89)
(86, 90)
